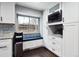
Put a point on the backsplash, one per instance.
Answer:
(6, 30)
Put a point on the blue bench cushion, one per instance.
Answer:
(34, 36)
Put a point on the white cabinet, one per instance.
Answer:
(0, 12)
(6, 48)
(7, 12)
(70, 11)
(55, 45)
(32, 44)
(50, 42)
(70, 40)
(68, 46)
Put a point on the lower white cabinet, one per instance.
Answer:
(6, 48)
(56, 48)
(55, 45)
(32, 44)
(68, 45)
(71, 40)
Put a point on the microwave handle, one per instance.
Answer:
(63, 19)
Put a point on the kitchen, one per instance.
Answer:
(39, 26)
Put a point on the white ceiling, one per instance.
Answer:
(37, 5)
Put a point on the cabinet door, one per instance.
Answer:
(8, 12)
(0, 12)
(70, 11)
(70, 41)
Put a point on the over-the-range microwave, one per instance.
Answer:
(55, 17)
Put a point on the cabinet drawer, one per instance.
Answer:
(6, 48)
(5, 51)
(56, 39)
(3, 42)
(56, 48)
(56, 51)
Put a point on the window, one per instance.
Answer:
(23, 20)
(28, 24)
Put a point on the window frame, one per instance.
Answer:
(29, 20)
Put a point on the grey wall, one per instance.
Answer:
(30, 12)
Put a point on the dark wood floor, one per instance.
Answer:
(38, 52)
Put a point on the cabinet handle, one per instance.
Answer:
(63, 27)
(53, 43)
(53, 49)
(53, 38)
(1, 18)
(3, 47)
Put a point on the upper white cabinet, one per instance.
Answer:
(55, 8)
(7, 12)
(0, 12)
(70, 11)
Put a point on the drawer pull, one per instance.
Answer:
(3, 47)
(53, 43)
(53, 38)
(53, 49)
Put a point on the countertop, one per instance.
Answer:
(25, 37)
(6, 37)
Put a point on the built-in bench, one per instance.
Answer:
(30, 37)
(31, 41)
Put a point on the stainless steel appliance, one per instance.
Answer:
(18, 45)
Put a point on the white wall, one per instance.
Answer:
(45, 20)
(45, 23)
(30, 12)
